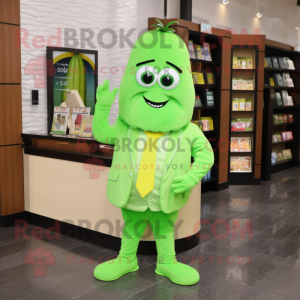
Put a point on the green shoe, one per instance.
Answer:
(115, 268)
(178, 273)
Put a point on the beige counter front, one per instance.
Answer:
(75, 193)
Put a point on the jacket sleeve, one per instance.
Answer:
(203, 155)
(102, 131)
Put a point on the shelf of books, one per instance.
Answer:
(210, 71)
(243, 114)
(281, 109)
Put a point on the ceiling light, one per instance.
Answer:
(225, 2)
(297, 28)
(261, 11)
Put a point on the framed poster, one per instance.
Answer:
(71, 69)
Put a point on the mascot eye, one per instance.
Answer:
(146, 76)
(168, 79)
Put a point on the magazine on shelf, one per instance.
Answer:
(240, 164)
(240, 144)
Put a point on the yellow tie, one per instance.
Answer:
(145, 179)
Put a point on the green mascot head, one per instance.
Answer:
(157, 92)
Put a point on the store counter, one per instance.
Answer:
(65, 179)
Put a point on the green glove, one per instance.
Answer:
(104, 96)
(183, 184)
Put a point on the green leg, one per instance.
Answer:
(167, 265)
(126, 262)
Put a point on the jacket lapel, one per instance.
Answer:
(173, 145)
(132, 136)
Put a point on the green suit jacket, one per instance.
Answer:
(182, 144)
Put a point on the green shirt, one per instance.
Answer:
(151, 200)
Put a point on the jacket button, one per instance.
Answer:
(130, 174)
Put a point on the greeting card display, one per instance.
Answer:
(60, 120)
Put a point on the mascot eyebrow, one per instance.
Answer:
(152, 60)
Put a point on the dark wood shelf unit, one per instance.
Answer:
(255, 50)
(276, 49)
(220, 64)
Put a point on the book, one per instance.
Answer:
(275, 119)
(240, 144)
(290, 101)
(287, 135)
(282, 63)
(235, 62)
(272, 83)
(276, 137)
(198, 102)
(278, 79)
(239, 84)
(210, 100)
(244, 63)
(289, 63)
(249, 62)
(86, 127)
(240, 164)
(275, 62)
(60, 120)
(240, 62)
(265, 64)
(249, 104)
(284, 95)
(280, 118)
(207, 53)
(79, 113)
(191, 50)
(285, 118)
(198, 77)
(198, 52)
(290, 118)
(234, 84)
(235, 104)
(242, 102)
(269, 62)
(278, 99)
(210, 77)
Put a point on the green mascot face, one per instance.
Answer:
(157, 92)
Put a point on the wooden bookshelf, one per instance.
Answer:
(276, 49)
(221, 64)
(254, 49)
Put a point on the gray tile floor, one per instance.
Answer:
(266, 266)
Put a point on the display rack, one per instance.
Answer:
(220, 64)
(275, 49)
(254, 49)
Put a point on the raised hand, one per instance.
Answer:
(182, 184)
(104, 96)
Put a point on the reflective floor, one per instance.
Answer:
(250, 249)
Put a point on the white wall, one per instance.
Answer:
(278, 22)
(43, 17)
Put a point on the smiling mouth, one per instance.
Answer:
(155, 104)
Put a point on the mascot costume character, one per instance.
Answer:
(151, 176)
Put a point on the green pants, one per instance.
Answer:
(163, 230)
